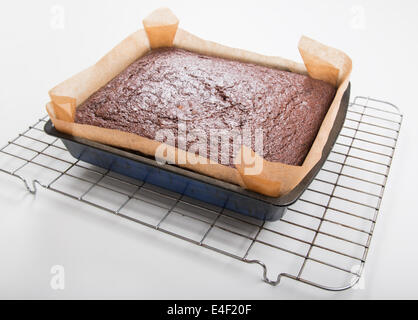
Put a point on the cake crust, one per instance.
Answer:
(169, 86)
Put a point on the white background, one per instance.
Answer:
(105, 257)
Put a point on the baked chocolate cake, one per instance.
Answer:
(171, 85)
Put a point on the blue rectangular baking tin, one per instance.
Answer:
(192, 184)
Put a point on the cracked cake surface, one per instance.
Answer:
(171, 86)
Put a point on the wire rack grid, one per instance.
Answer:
(322, 240)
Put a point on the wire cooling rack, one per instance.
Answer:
(322, 240)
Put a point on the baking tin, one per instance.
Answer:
(192, 184)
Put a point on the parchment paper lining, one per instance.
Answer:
(161, 29)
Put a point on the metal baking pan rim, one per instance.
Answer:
(283, 201)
